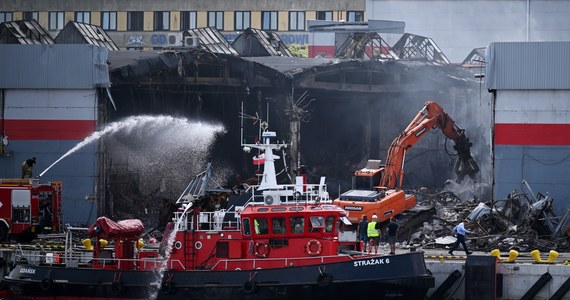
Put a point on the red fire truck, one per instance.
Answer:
(29, 208)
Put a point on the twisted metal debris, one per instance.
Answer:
(523, 221)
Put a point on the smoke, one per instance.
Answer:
(345, 131)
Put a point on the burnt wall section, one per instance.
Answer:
(201, 87)
(350, 112)
(361, 106)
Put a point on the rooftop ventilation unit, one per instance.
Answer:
(174, 39)
(191, 41)
(271, 198)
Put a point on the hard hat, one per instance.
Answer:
(374, 217)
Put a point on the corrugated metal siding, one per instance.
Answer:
(528, 106)
(528, 65)
(50, 104)
(53, 67)
(544, 168)
(49, 114)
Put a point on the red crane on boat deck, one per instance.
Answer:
(378, 190)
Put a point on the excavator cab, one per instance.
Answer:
(368, 177)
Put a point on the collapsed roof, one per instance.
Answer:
(354, 106)
(24, 32)
(83, 33)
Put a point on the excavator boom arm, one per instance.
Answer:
(430, 116)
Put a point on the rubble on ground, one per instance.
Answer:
(523, 221)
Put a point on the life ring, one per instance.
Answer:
(45, 284)
(324, 279)
(261, 249)
(310, 245)
(116, 288)
(249, 287)
(297, 195)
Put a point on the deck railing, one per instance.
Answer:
(291, 194)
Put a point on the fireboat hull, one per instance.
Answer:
(403, 276)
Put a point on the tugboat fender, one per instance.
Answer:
(261, 249)
(312, 244)
(45, 284)
(249, 287)
(116, 288)
(324, 279)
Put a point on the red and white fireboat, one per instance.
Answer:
(282, 243)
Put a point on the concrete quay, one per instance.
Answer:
(522, 279)
(456, 278)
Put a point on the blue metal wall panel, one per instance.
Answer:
(77, 172)
(528, 65)
(544, 168)
(53, 67)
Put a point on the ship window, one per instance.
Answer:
(246, 227)
(262, 209)
(345, 220)
(296, 208)
(278, 225)
(260, 225)
(278, 209)
(317, 222)
(329, 224)
(297, 224)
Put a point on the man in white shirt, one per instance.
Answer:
(461, 232)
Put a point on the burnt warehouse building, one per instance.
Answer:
(336, 113)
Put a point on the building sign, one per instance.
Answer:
(295, 38)
(152, 39)
(135, 40)
(287, 38)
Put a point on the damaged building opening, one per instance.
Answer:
(348, 111)
(183, 107)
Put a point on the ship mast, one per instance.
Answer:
(269, 178)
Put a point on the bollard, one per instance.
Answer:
(140, 244)
(536, 255)
(513, 254)
(87, 244)
(552, 255)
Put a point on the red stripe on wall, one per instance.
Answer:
(323, 51)
(48, 129)
(532, 134)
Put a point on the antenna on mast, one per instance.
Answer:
(245, 116)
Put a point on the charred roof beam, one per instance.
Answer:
(420, 48)
(366, 45)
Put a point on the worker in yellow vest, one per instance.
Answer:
(373, 234)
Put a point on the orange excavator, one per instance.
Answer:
(377, 189)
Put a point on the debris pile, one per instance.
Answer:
(523, 221)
